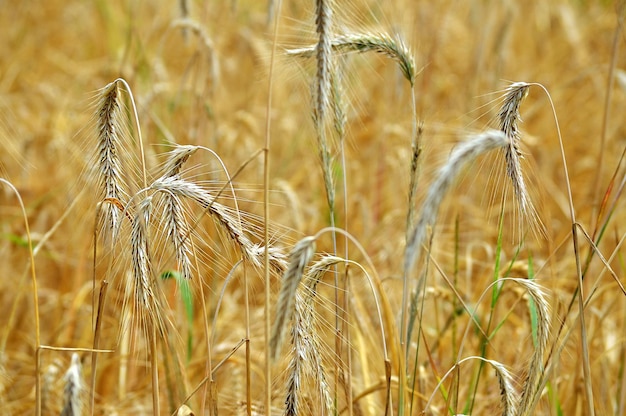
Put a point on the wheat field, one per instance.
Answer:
(312, 208)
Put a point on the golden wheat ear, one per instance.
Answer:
(508, 395)
(533, 381)
(225, 217)
(509, 119)
(460, 156)
(109, 166)
(299, 257)
(177, 157)
(378, 42)
(145, 293)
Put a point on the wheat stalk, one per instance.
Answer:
(313, 277)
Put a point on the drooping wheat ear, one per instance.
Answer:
(532, 383)
(72, 403)
(313, 277)
(224, 218)
(109, 130)
(460, 156)
(176, 225)
(508, 394)
(509, 397)
(145, 295)
(378, 42)
(509, 118)
(177, 158)
(299, 257)
(177, 230)
(306, 362)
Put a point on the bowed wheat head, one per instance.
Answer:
(290, 208)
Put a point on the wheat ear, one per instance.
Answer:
(313, 277)
(509, 119)
(73, 389)
(145, 296)
(382, 43)
(176, 159)
(109, 130)
(534, 377)
(224, 218)
(460, 156)
(306, 359)
(509, 398)
(299, 257)
(323, 54)
(176, 226)
(178, 233)
(508, 394)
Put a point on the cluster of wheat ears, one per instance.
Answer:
(195, 303)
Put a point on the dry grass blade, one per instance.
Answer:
(382, 43)
(461, 155)
(73, 389)
(298, 259)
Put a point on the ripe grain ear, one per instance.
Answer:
(299, 257)
(109, 167)
(461, 155)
